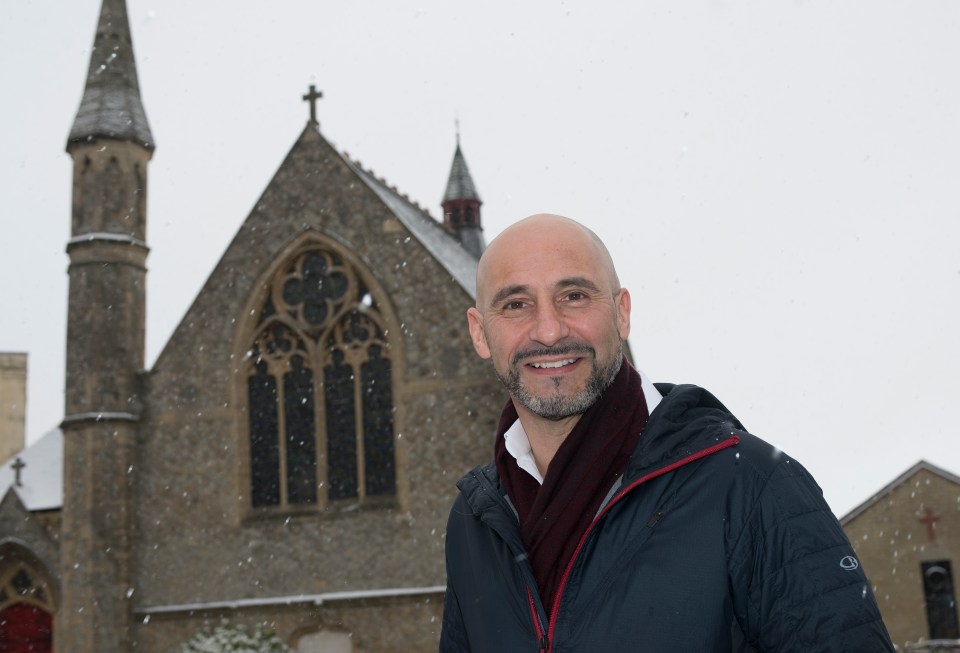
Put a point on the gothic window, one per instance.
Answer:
(319, 390)
(26, 610)
(940, 599)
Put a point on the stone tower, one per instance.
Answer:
(461, 206)
(13, 400)
(110, 144)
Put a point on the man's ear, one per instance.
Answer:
(475, 320)
(623, 313)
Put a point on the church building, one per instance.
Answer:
(289, 460)
(907, 536)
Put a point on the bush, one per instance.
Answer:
(234, 639)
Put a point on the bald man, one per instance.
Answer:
(619, 515)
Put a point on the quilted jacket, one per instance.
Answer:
(712, 541)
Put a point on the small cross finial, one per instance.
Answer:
(930, 519)
(312, 96)
(456, 123)
(18, 465)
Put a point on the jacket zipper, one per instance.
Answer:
(537, 624)
(540, 631)
(546, 641)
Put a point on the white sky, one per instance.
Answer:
(777, 181)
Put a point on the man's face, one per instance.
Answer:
(550, 317)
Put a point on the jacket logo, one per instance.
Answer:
(849, 563)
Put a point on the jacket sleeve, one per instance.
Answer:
(453, 635)
(797, 584)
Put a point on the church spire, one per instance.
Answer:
(461, 205)
(111, 106)
(111, 145)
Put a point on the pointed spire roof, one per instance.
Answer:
(111, 106)
(460, 184)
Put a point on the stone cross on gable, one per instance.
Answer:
(17, 466)
(929, 518)
(312, 96)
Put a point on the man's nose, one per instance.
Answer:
(549, 326)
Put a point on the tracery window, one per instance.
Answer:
(319, 390)
(26, 610)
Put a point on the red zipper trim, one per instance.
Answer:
(536, 618)
(729, 442)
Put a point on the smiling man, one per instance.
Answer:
(618, 514)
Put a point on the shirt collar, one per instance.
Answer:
(518, 444)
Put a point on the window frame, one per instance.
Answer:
(380, 311)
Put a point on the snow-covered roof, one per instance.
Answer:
(41, 473)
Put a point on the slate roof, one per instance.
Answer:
(460, 185)
(111, 106)
(448, 251)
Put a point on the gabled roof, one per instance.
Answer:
(461, 265)
(21, 533)
(895, 483)
(41, 475)
(460, 185)
(111, 106)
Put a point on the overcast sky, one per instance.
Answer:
(777, 181)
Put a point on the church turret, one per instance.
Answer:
(111, 144)
(461, 206)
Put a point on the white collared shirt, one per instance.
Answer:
(518, 444)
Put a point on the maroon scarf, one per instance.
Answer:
(554, 516)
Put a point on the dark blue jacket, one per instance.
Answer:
(713, 541)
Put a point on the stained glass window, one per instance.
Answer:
(377, 424)
(264, 449)
(319, 390)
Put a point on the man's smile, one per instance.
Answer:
(546, 365)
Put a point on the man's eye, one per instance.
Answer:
(515, 305)
(576, 296)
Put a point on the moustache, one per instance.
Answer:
(558, 350)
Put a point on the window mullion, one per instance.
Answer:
(357, 366)
(282, 436)
(320, 425)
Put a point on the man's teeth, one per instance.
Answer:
(544, 366)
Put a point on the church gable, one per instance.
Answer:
(907, 537)
(920, 474)
(305, 424)
(24, 534)
(418, 264)
(29, 579)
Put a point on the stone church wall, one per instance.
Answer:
(388, 625)
(196, 539)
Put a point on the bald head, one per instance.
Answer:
(552, 317)
(539, 235)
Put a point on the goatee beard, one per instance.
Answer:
(559, 406)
